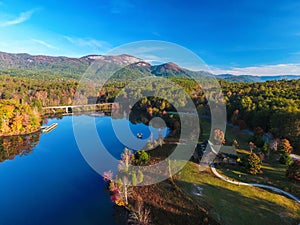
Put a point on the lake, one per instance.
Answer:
(48, 182)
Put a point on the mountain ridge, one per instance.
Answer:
(255, 78)
(74, 67)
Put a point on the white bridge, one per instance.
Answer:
(80, 108)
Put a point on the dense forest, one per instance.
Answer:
(274, 106)
(17, 118)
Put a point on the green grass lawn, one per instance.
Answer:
(235, 205)
(273, 174)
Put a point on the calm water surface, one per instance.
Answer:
(53, 185)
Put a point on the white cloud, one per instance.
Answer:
(24, 16)
(44, 44)
(87, 42)
(152, 59)
(26, 46)
(264, 70)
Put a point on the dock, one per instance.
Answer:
(47, 129)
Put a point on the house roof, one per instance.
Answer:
(230, 150)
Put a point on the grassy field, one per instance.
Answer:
(273, 174)
(235, 205)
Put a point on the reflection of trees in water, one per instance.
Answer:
(120, 215)
(138, 115)
(21, 145)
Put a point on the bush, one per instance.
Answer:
(141, 158)
(134, 179)
(293, 171)
(285, 146)
(265, 147)
(286, 159)
(253, 165)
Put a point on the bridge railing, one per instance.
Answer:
(80, 108)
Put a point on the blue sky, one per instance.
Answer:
(253, 37)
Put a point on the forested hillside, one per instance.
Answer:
(273, 105)
(16, 118)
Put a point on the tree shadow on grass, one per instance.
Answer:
(231, 207)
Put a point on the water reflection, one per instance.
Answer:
(20, 145)
(58, 186)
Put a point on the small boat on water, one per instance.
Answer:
(47, 129)
(139, 135)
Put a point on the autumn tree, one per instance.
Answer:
(287, 124)
(16, 118)
(218, 137)
(293, 171)
(253, 164)
(120, 185)
(285, 146)
(235, 117)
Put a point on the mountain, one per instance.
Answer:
(42, 63)
(251, 78)
(120, 66)
(169, 70)
(121, 60)
(59, 65)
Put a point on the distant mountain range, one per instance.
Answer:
(252, 78)
(75, 67)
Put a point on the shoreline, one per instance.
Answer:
(22, 134)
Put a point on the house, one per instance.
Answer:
(229, 151)
(226, 154)
(218, 154)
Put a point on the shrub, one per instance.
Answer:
(293, 171)
(286, 159)
(253, 164)
(134, 179)
(285, 146)
(141, 158)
